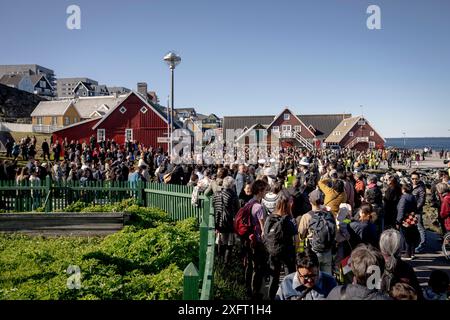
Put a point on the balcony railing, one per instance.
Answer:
(41, 128)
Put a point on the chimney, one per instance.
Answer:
(142, 89)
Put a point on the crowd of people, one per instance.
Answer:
(314, 217)
(305, 216)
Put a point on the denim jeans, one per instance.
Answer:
(325, 261)
(421, 231)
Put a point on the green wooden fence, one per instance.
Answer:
(50, 196)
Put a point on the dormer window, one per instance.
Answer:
(287, 116)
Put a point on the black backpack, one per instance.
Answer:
(274, 240)
(323, 230)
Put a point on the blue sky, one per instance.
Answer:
(253, 56)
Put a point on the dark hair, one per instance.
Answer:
(282, 205)
(276, 187)
(258, 186)
(307, 260)
(438, 281)
(222, 173)
(363, 257)
(393, 182)
(407, 188)
(338, 185)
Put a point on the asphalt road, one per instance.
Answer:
(432, 259)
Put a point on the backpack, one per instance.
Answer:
(323, 230)
(243, 221)
(274, 235)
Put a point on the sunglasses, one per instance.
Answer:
(307, 277)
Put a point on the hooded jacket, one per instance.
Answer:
(332, 198)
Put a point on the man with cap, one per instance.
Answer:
(306, 229)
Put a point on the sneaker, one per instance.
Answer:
(406, 257)
(419, 250)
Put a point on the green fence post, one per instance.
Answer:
(190, 282)
(204, 237)
(48, 189)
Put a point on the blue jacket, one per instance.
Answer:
(406, 205)
(291, 288)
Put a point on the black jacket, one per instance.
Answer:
(420, 193)
(363, 232)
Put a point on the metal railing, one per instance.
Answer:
(296, 135)
(42, 128)
(355, 141)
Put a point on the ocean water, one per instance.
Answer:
(419, 143)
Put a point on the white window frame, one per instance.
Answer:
(39, 120)
(372, 133)
(286, 127)
(144, 109)
(66, 121)
(126, 134)
(351, 134)
(276, 128)
(286, 116)
(372, 144)
(123, 109)
(54, 121)
(75, 119)
(42, 84)
(101, 133)
(298, 128)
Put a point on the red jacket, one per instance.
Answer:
(445, 210)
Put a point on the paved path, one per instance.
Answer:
(430, 162)
(433, 259)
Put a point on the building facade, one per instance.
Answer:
(65, 86)
(308, 131)
(356, 133)
(18, 81)
(28, 69)
(49, 116)
(42, 86)
(133, 118)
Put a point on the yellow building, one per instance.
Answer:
(49, 116)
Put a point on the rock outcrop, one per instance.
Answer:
(17, 105)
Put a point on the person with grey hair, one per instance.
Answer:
(364, 259)
(396, 270)
(226, 205)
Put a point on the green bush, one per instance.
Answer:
(134, 263)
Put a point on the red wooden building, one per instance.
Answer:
(356, 133)
(132, 118)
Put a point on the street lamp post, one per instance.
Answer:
(172, 60)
